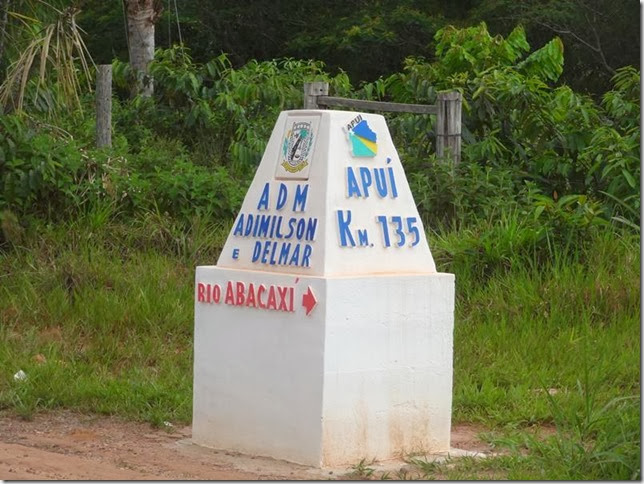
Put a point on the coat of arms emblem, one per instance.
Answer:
(296, 147)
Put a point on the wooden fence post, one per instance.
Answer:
(448, 125)
(311, 92)
(447, 109)
(104, 106)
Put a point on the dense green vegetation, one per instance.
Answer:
(369, 39)
(527, 142)
(540, 221)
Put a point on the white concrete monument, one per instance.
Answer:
(324, 333)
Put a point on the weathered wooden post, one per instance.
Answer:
(448, 125)
(104, 106)
(311, 91)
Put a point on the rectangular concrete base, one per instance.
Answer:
(366, 374)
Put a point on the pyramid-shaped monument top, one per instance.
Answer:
(329, 198)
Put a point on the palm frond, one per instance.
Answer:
(58, 55)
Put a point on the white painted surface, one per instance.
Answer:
(366, 371)
(258, 376)
(367, 374)
(327, 193)
(387, 367)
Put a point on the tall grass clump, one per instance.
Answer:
(596, 441)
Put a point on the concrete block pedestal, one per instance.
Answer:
(324, 333)
(368, 374)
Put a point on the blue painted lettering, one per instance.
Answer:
(365, 176)
(311, 228)
(306, 255)
(381, 182)
(283, 258)
(281, 197)
(363, 238)
(278, 229)
(301, 227)
(249, 224)
(295, 256)
(299, 202)
(394, 192)
(291, 228)
(263, 200)
(257, 250)
(239, 227)
(343, 228)
(264, 223)
(352, 184)
(385, 182)
(265, 251)
(282, 253)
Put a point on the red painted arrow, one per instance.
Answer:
(309, 301)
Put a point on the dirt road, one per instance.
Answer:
(71, 446)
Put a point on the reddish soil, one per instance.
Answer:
(72, 446)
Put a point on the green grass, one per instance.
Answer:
(110, 313)
(528, 331)
(99, 315)
(116, 335)
(547, 340)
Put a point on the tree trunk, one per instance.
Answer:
(141, 17)
(4, 12)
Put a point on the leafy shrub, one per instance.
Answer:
(551, 153)
(446, 193)
(52, 175)
(559, 142)
(612, 157)
(38, 169)
(227, 113)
